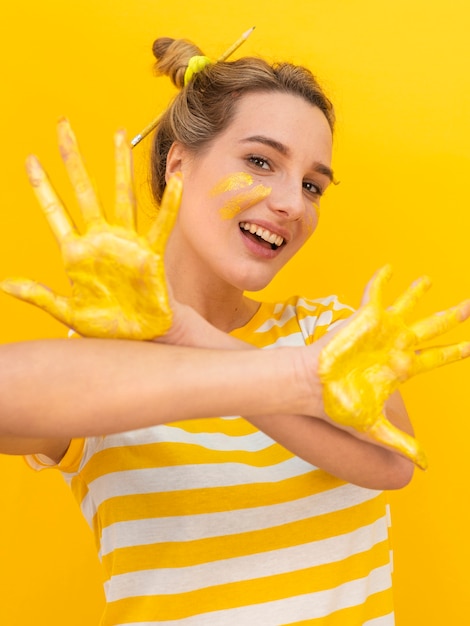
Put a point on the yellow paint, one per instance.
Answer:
(375, 353)
(403, 163)
(232, 182)
(243, 201)
(118, 283)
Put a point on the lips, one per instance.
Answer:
(273, 240)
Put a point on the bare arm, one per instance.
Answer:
(343, 454)
(60, 389)
(56, 390)
(52, 391)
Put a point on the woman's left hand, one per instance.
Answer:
(374, 352)
(118, 283)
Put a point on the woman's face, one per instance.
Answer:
(251, 198)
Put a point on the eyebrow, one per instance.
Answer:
(321, 168)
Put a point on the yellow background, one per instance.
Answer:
(399, 75)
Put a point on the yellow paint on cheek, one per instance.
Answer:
(233, 182)
(240, 201)
(243, 201)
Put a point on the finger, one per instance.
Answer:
(125, 197)
(162, 227)
(432, 358)
(38, 295)
(56, 214)
(77, 173)
(374, 290)
(350, 339)
(386, 433)
(405, 303)
(440, 323)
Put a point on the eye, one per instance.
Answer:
(259, 161)
(312, 188)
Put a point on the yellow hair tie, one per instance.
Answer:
(195, 65)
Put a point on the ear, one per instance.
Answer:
(176, 160)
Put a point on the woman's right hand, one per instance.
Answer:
(118, 282)
(374, 352)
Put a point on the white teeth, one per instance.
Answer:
(263, 233)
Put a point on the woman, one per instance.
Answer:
(274, 518)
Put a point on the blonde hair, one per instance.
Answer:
(206, 105)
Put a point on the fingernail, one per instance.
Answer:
(64, 130)
(63, 124)
(7, 286)
(34, 170)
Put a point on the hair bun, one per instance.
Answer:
(173, 57)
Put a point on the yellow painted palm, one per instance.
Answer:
(118, 286)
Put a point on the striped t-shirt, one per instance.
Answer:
(210, 522)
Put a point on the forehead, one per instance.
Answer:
(286, 118)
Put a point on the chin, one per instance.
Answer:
(255, 285)
(252, 278)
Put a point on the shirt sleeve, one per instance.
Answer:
(70, 461)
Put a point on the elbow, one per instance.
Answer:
(397, 474)
(388, 471)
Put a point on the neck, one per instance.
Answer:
(225, 307)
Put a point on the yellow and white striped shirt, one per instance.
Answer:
(211, 523)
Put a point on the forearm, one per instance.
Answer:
(338, 452)
(70, 388)
(347, 454)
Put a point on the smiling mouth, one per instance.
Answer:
(262, 235)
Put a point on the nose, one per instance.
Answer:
(288, 199)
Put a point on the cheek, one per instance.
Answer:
(232, 182)
(243, 201)
(235, 203)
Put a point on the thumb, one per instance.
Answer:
(38, 295)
